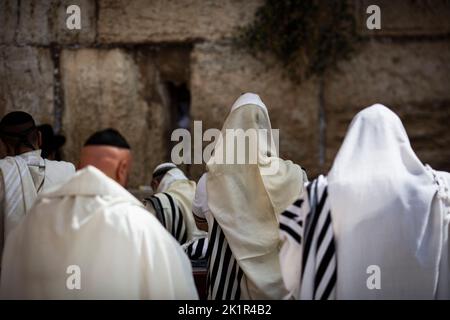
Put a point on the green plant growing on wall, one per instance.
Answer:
(306, 36)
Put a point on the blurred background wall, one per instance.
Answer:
(134, 63)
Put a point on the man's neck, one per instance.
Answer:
(25, 150)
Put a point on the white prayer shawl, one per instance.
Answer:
(388, 211)
(174, 195)
(246, 202)
(23, 177)
(170, 177)
(93, 226)
(443, 205)
(386, 216)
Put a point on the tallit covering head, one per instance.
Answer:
(245, 199)
(175, 183)
(382, 202)
(163, 168)
(170, 173)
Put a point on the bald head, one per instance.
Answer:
(108, 151)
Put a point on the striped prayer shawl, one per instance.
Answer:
(197, 249)
(169, 214)
(308, 223)
(224, 274)
(291, 222)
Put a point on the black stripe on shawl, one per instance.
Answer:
(199, 249)
(331, 284)
(238, 290)
(323, 264)
(298, 203)
(160, 212)
(223, 277)
(156, 204)
(324, 230)
(314, 217)
(211, 246)
(216, 264)
(289, 214)
(291, 232)
(231, 282)
(182, 226)
(174, 215)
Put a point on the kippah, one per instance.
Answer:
(107, 137)
(16, 124)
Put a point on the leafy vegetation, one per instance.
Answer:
(306, 36)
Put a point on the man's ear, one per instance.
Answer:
(155, 183)
(122, 172)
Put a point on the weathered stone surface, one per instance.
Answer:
(427, 124)
(34, 22)
(411, 78)
(88, 31)
(171, 21)
(105, 88)
(173, 63)
(26, 83)
(408, 17)
(219, 75)
(127, 87)
(8, 20)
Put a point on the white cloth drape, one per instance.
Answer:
(92, 223)
(20, 191)
(23, 177)
(390, 216)
(386, 216)
(172, 175)
(246, 199)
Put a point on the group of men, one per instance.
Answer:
(82, 235)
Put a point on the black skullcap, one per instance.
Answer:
(107, 137)
(16, 123)
(17, 128)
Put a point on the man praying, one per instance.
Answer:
(241, 203)
(91, 239)
(172, 205)
(376, 227)
(23, 172)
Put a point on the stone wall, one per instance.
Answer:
(114, 73)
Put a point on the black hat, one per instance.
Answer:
(50, 140)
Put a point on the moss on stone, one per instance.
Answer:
(306, 36)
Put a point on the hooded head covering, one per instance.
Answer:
(170, 173)
(175, 183)
(382, 201)
(245, 199)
